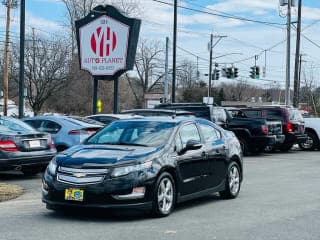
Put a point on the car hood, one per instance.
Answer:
(106, 155)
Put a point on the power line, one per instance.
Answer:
(274, 24)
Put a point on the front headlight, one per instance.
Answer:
(52, 167)
(122, 171)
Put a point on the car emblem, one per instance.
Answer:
(79, 175)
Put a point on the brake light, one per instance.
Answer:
(81, 131)
(289, 127)
(8, 146)
(264, 129)
(77, 132)
(52, 144)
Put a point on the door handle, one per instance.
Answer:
(204, 154)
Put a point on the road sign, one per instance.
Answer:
(107, 42)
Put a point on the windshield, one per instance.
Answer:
(15, 125)
(142, 133)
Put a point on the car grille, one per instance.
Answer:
(79, 176)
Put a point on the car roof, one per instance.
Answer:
(119, 116)
(168, 119)
(154, 110)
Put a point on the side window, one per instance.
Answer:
(50, 127)
(189, 132)
(209, 133)
(34, 123)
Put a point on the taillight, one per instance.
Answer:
(265, 129)
(8, 146)
(81, 131)
(289, 127)
(77, 132)
(52, 144)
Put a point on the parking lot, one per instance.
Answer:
(280, 199)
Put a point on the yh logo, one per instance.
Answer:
(103, 41)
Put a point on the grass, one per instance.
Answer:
(9, 191)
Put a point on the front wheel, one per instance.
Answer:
(311, 143)
(164, 195)
(233, 182)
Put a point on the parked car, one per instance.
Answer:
(312, 130)
(106, 119)
(150, 163)
(66, 131)
(157, 112)
(253, 134)
(22, 148)
(292, 123)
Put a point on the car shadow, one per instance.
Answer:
(123, 215)
(16, 176)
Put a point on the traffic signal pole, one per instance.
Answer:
(174, 57)
(21, 65)
(296, 85)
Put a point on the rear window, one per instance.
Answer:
(253, 113)
(295, 115)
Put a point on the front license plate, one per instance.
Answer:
(73, 194)
(34, 144)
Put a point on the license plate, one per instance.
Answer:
(73, 194)
(34, 144)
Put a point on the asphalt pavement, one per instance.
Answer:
(279, 199)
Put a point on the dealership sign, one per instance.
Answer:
(107, 42)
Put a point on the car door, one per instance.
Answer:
(215, 147)
(192, 164)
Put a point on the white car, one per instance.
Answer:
(312, 129)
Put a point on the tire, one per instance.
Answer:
(311, 143)
(164, 196)
(30, 171)
(244, 146)
(286, 147)
(233, 182)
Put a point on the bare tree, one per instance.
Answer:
(187, 74)
(46, 69)
(149, 64)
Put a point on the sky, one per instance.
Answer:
(243, 40)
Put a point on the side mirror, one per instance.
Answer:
(193, 145)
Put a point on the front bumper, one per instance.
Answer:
(30, 161)
(101, 195)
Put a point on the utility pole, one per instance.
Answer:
(210, 66)
(166, 80)
(298, 56)
(21, 67)
(9, 4)
(287, 95)
(174, 51)
(211, 46)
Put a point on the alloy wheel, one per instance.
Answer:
(234, 180)
(165, 195)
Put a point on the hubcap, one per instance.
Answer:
(165, 195)
(308, 143)
(234, 180)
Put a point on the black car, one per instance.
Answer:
(150, 163)
(23, 148)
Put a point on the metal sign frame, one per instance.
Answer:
(134, 29)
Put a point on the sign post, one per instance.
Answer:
(107, 43)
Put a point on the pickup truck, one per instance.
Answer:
(312, 130)
(254, 134)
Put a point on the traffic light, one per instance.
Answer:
(215, 74)
(229, 72)
(235, 72)
(253, 72)
(224, 72)
(257, 72)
